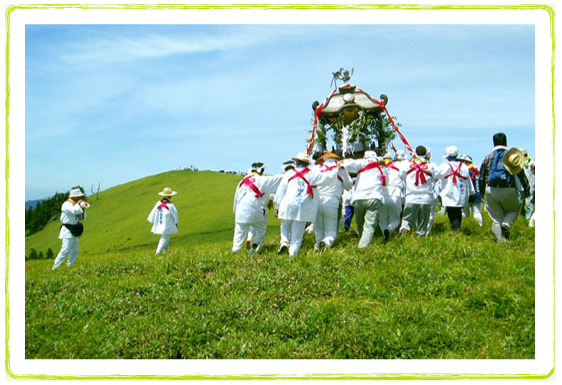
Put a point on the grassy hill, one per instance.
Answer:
(451, 295)
(116, 221)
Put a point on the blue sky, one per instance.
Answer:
(109, 104)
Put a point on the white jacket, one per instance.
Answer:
(420, 182)
(71, 214)
(332, 182)
(369, 183)
(249, 208)
(164, 221)
(456, 185)
(295, 199)
(395, 186)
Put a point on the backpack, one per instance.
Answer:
(498, 175)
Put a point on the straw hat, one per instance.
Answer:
(514, 161)
(167, 192)
(328, 155)
(302, 157)
(75, 193)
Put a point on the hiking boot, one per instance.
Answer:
(386, 235)
(505, 231)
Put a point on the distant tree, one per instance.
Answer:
(49, 254)
(45, 211)
(32, 254)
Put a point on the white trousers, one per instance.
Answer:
(389, 217)
(326, 225)
(241, 231)
(69, 248)
(418, 216)
(163, 244)
(503, 206)
(292, 233)
(475, 209)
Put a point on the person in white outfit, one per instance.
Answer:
(250, 200)
(420, 179)
(393, 195)
(72, 213)
(367, 193)
(333, 180)
(164, 218)
(296, 203)
(475, 200)
(456, 186)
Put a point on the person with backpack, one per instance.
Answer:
(73, 212)
(500, 179)
(164, 219)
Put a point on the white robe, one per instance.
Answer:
(420, 193)
(369, 183)
(164, 221)
(292, 198)
(455, 194)
(71, 214)
(247, 207)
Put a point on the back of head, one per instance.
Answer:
(500, 139)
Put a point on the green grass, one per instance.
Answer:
(451, 295)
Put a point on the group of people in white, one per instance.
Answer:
(398, 195)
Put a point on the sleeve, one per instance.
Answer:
(351, 165)
(346, 179)
(174, 212)
(280, 193)
(70, 209)
(152, 214)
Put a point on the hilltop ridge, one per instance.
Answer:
(116, 220)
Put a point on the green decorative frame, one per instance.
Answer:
(311, 376)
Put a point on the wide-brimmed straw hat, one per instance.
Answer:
(167, 192)
(329, 155)
(514, 161)
(75, 193)
(302, 157)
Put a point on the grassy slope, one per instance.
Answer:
(448, 296)
(117, 220)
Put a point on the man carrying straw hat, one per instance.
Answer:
(500, 177)
(164, 219)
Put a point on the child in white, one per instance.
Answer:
(72, 212)
(164, 219)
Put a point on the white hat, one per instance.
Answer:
(400, 155)
(302, 157)
(465, 157)
(387, 156)
(75, 193)
(370, 155)
(451, 152)
(514, 161)
(167, 192)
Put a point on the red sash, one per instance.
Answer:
(474, 172)
(249, 182)
(392, 166)
(330, 168)
(371, 166)
(421, 171)
(300, 174)
(455, 173)
(164, 205)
